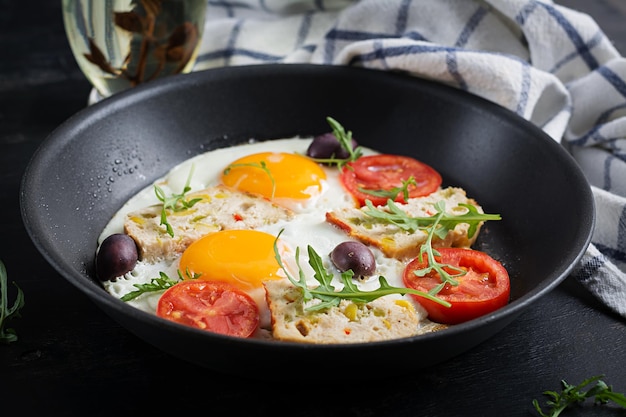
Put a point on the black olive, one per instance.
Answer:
(326, 146)
(355, 256)
(117, 255)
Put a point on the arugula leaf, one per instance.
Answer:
(392, 193)
(447, 222)
(325, 291)
(176, 202)
(571, 395)
(8, 335)
(163, 282)
(438, 225)
(345, 140)
(431, 253)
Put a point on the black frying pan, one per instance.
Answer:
(96, 160)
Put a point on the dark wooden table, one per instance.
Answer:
(72, 360)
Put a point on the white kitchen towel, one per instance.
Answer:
(551, 65)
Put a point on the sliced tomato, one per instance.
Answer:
(210, 305)
(483, 289)
(385, 172)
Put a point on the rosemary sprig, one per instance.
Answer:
(8, 335)
(176, 202)
(261, 165)
(345, 140)
(575, 394)
(325, 291)
(438, 225)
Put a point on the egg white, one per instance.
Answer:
(308, 227)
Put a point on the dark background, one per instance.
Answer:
(72, 360)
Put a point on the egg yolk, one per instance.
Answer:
(275, 175)
(244, 258)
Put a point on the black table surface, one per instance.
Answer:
(72, 359)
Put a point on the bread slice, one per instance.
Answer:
(385, 318)
(220, 208)
(400, 244)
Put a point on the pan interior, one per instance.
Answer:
(95, 161)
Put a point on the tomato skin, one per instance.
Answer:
(387, 171)
(485, 288)
(213, 306)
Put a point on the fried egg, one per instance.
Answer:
(278, 171)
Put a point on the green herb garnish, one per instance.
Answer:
(325, 291)
(392, 193)
(575, 394)
(8, 335)
(345, 140)
(163, 282)
(261, 165)
(176, 202)
(438, 225)
(445, 222)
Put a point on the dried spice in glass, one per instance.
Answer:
(119, 44)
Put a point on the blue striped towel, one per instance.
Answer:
(549, 64)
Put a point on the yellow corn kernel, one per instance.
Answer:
(405, 304)
(138, 219)
(351, 311)
(184, 212)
